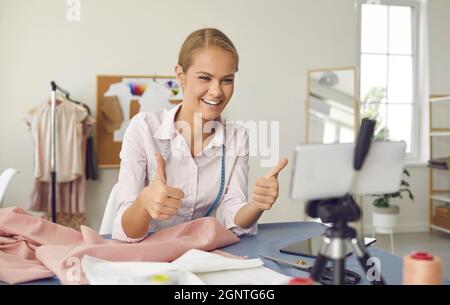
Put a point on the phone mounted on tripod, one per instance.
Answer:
(328, 176)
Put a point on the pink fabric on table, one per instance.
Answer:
(20, 235)
(33, 248)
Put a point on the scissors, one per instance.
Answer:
(350, 277)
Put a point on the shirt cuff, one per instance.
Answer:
(233, 227)
(118, 232)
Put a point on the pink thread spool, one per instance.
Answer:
(422, 268)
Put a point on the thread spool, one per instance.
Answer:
(422, 268)
(301, 281)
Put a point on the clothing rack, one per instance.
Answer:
(66, 93)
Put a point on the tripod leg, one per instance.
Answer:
(319, 267)
(337, 256)
(321, 261)
(338, 272)
(363, 257)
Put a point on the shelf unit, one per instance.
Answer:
(437, 195)
(434, 227)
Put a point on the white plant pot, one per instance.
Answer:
(385, 219)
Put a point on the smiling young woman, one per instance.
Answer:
(169, 175)
(206, 69)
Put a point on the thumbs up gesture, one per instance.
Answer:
(265, 191)
(158, 199)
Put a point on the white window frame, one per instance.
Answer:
(415, 152)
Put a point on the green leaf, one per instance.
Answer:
(410, 195)
(382, 200)
(381, 203)
(378, 202)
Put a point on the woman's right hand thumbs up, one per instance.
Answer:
(158, 199)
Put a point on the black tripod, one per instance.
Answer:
(339, 211)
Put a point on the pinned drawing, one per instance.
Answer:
(133, 95)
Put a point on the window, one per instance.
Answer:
(388, 60)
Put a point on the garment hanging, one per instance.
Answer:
(69, 137)
(74, 128)
(91, 165)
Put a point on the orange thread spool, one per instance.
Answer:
(422, 268)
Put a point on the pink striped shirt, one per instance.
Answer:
(198, 177)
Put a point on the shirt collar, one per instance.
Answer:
(166, 130)
(167, 126)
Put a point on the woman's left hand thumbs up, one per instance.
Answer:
(265, 191)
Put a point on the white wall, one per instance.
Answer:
(439, 23)
(278, 42)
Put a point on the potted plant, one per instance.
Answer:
(385, 215)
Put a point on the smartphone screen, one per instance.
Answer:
(311, 247)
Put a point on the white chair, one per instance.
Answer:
(5, 178)
(110, 212)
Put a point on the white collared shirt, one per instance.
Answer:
(198, 177)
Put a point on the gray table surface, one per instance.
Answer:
(273, 236)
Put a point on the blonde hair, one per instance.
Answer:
(205, 38)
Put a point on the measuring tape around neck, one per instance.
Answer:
(213, 206)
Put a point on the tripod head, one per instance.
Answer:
(337, 211)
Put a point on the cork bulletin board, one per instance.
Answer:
(135, 94)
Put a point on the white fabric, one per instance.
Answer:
(195, 267)
(156, 96)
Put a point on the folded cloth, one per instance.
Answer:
(192, 268)
(32, 248)
(438, 166)
(438, 161)
(442, 163)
